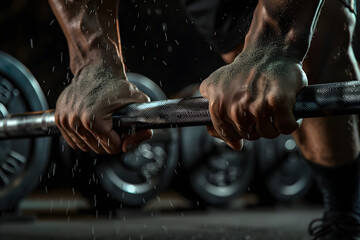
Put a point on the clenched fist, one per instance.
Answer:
(84, 110)
(254, 96)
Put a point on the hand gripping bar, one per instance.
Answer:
(319, 100)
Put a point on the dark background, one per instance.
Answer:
(173, 56)
(158, 42)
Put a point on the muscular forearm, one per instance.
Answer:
(91, 30)
(286, 25)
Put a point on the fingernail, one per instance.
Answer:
(236, 145)
(299, 122)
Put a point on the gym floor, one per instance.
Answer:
(62, 214)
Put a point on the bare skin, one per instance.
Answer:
(254, 96)
(257, 91)
(331, 141)
(99, 87)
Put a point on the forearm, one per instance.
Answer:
(91, 30)
(285, 25)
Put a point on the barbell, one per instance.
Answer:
(128, 179)
(319, 100)
(18, 83)
(22, 161)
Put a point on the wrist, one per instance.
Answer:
(286, 25)
(91, 30)
(96, 58)
(268, 39)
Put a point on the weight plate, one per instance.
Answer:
(22, 161)
(195, 143)
(223, 174)
(132, 178)
(287, 176)
(136, 177)
(216, 173)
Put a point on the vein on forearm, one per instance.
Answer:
(289, 24)
(91, 30)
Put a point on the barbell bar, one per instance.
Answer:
(319, 100)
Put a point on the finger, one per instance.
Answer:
(91, 141)
(83, 138)
(101, 139)
(267, 128)
(68, 140)
(203, 89)
(224, 129)
(212, 132)
(111, 142)
(77, 139)
(285, 122)
(130, 142)
(264, 122)
(242, 120)
(66, 131)
(142, 97)
(236, 145)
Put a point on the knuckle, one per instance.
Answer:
(143, 97)
(277, 100)
(89, 126)
(235, 113)
(73, 121)
(57, 119)
(62, 119)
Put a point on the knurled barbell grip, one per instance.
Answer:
(313, 101)
(319, 100)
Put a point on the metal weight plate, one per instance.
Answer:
(135, 177)
(22, 161)
(223, 174)
(216, 173)
(287, 176)
(195, 143)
